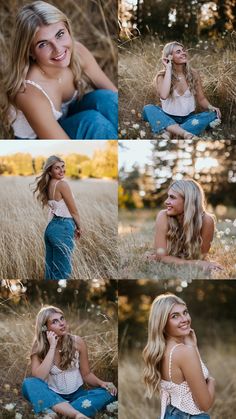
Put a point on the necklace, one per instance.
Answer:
(179, 78)
(59, 79)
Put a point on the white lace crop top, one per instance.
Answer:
(21, 126)
(68, 381)
(179, 105)
(179, 395)
(58, 208)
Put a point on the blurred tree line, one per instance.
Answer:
(209, 302)
(211, 163)
(93, 296)
(102, 164)
(178, 19)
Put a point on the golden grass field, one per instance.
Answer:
(136, 237)
(139, 62)
(23, 223)
(17, 330)
(220, 360)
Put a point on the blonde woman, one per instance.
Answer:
(42, 93)
(180, 90)
(173, 366)
(64, 221)
(60, 367)
(184, 230)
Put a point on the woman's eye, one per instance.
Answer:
(42, 45)
(60, 34)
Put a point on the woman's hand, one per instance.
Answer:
(191, 339)
(210, 266)
(214, 109)
(168, 62)
(52, 339)
(109, 387)
(78, 233)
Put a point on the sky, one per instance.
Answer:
(138, 151)
(49, 147)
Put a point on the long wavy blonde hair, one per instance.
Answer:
(156, 344)
(184, 238)
(187, 69)
(42, 181)
(41, 344)
(29, 18)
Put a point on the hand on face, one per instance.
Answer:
(168, 61)
(191, 339)
(52, 338)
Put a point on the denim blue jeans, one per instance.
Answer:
(94, 117)
(59, 243)
(194, 123)
(88, 402)
(174, 413)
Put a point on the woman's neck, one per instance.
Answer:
(178, 69)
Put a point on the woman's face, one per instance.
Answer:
(57, 324)
(174, 203)
(58, 170)
(52, 45)
(179, 55)
(179, 322)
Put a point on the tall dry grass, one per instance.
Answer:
(94, 23)
(139, 62)
(136, 237)
(220, 360)
(22, 225)
(17, 330)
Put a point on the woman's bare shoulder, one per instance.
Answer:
(31, 97)
(208, 219)
(79, 342)
(162, 215)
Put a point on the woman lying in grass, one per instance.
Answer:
(44, 85)
(180, 90)
(184, 231)
(59, 364)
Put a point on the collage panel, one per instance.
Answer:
(58, 349)
(177, 69)
(165, 329)
(58, 210)
(58, 69)
(177, 209)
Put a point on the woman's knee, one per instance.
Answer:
(147, 109)
(29, 383)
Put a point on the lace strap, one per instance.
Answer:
(170, 359)
(54, 190)
(41, 90)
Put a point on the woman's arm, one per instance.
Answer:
(87, 375)
(42, 369)
(207, 233)
(188, 360)
(200, 97)
(163, 83)
(38, 112)
(67, 195)
(92, 69)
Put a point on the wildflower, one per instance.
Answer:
(227, 231)
(126, 123)
(227, 248)
(133, 111)
(136, 126)
(10, 406)
(142, 133)
(123, 132)
(7, 387)
(215, 123)
(139, 115)
(86, 403)
(195, 122)
(18, 415)
(112, 407)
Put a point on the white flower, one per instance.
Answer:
(227, 231)
(136, 126)
(86, 403)
(112, 407)
(10, 406)
(123, 132)
(18, 415)
(215, 123)
(195, 121)
(227, 248)
(133, 111)
(142, 133)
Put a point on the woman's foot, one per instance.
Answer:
(166, 135)
(189, 136)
